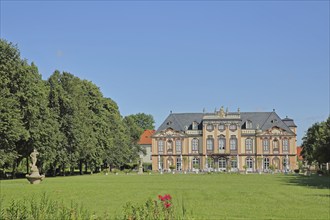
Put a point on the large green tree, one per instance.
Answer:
(316, 143)
(144, 121)
(24, 97)
(65, 118)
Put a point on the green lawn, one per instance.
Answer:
(215, 196)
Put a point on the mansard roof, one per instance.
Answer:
(289, 122)
(260, 120)
(181, 121)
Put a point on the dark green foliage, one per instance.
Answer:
(65, 118)
(316, 143)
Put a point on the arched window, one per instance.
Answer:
(178, 146)
(285, 145)
(265, 144)
(160, 146)
(233, 162)
(194, 145)
(169, 146)
(222, 163)
(266, 163)
(248, 144)
(209, 144)
(178, 164)
(222, 142)
(233, 143)
(249, 163)
(195, 163)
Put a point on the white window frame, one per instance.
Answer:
(265, 145)
(248, 144)
(285, 145)
(178, 146)
(266, 163)
(222, 163)
(209, 144)
(194, 144)
(249, 163)
(160, 146)
(233, 143)
(178, 164)
(222, 143)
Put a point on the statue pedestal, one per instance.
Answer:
(35, 177)
(140, 170)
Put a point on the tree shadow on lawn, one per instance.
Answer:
(319, 182)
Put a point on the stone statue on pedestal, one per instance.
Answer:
(140, 166)
(34, 177)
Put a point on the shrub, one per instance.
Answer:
(44, 208)
(151, 209)
(296, 170)
(320, 172)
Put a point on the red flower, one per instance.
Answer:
(160, 197)
(167, 205)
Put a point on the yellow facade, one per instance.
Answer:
(225, 142)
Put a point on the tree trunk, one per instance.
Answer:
(27, 164)
(14, 170)
(80, 167)
(86, 167)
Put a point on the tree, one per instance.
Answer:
(316, 143)
(144, 121)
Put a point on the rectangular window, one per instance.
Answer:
(234, 163)
(178, 146)
(222, 144)
(233, 144)
(194, 144)
(161, 146)
(248, 144)
(285, 145)
(209, 144)
(265, 144)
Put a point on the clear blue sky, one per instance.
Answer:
(154, 57)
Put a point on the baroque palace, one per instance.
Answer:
(225, 141)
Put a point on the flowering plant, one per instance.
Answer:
(166, 199)
(151, 209)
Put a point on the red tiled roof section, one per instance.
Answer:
(298, 153)
(146, 137)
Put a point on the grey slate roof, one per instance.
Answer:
(289, 122)
(178, 121)
(263, 120)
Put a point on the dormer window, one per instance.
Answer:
(273, 121)
(248, 124)
(194, 125)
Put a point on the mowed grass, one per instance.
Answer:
(215, 196)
